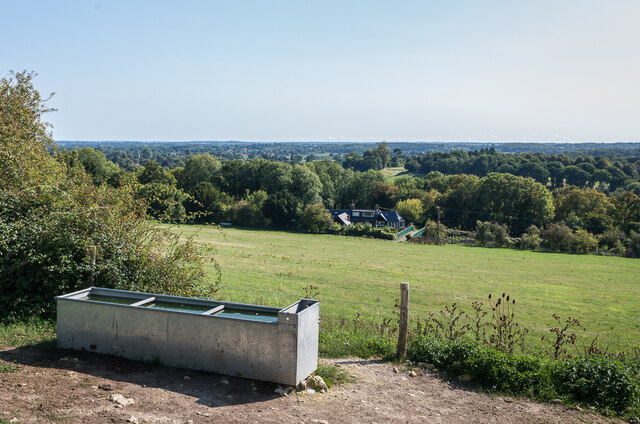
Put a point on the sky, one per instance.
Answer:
(543, 70)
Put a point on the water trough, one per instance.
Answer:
(250, 341)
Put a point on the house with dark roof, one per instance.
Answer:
(374, 217)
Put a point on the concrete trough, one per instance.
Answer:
(249, 341)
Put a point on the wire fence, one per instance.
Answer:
(386, 307)
(391, 291)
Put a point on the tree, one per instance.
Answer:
(199, 168)
(411, 210)
(592, 207)
(460, 200)
(211, 202)
(250, 211)
(24, 137)
(316, 218)
(95, 163)
(382, 152)
(361, 189)
(153, 173)
(516, 201)
(576, 176)
(60, 233)
(626, 209)
(305, 184)
(283, 208)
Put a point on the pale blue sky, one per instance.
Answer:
(538, 70)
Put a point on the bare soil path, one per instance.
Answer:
(75, 387)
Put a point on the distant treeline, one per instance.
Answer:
(130, 154)
(593, 194)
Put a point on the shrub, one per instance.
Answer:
(530, 240)
(608, 384)
(365, 230)
(60, 241)
(583, 242)
(60, 233)
(316, 218)
(634, 245)
(431, 230)
(605, 383)
(491, 234)
(611, 239)
(512, 374)
(557, 237)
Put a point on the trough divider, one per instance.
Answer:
(145, 301)
(213, 310)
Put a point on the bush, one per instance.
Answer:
(634, 245)
(605, 383)
(61, 233)
(512, 374)
(491, 234)
(611, 239)
(431, 230)
(316, 218)
(584, 242)
(55, 242)
(365, 230)
(530, 240)
(557, 237)
(608, 384)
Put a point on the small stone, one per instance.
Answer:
(578, 408)
(121, 400)
(435, 370)
(507, 400)
(412, 373)
(186, 377)
(132, 419)
(224, 381)
(311, 392)
(556, 401)
(282, 391)
(395, 370)
(319, 421)
(302, 386)
(404, 378)
(316, 382)
(105, 387)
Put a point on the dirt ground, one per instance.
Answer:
(75, 387)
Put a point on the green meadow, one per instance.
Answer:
(362, 276)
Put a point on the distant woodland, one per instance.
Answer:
(566, 197)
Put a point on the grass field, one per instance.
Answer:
(392, 173)
(357, 275)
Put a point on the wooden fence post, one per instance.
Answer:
(403, 329)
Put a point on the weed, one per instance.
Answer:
(333, 374)
(477, 324)
(311, 292)
(7, 367)
(563, 338)
(507, 333)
